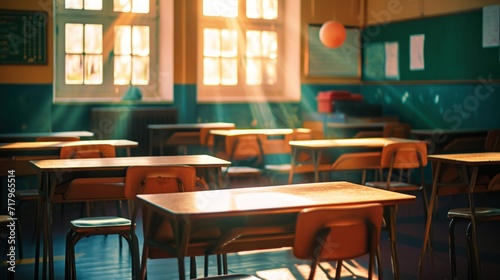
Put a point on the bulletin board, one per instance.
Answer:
(453, 49)
(342, 62)
(23, 37)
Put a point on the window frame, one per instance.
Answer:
(107, 91)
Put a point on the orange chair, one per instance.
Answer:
(363, 161)
(483, 214)
(246, 156)
(90, 187)
(492, 143)
(404, 157)
(207, 139)
(397, 130)
(339, 233)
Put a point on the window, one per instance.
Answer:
(241, 50)
(104, 49)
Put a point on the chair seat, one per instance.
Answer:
(242, 170)
(100, 222)
(299, 168)
(96, 189)
(481, 213)
(394, 186)
(29, 194)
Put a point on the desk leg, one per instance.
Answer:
(292, 165)
(50, 239)
(428, 224)
(151, 141)
(393, 241)
(182, 231)
(316, 157)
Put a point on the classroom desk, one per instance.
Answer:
(164, 131)
(439, 138)
(49, 170)
(346, 130)
(317, 147)
(31, 136)
(468, 165)
(184, 209)
(54, 146)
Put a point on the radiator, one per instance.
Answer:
(129, 123)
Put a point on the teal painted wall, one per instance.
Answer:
(445, 106)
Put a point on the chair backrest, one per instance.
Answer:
(492, 143)
(57, 138)
(87, 151)
(396, 129)
(207, 139)
(159, 179)
(465, 145)
(337, 233)
(404, 155)
(244, 148)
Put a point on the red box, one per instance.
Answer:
(326, 99)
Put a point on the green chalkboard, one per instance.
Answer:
(337, 62)
(23, 37)
(453, 49)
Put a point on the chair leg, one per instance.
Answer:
(67, 258)
(471, 268)
(314, 264)
(452, 252)
(192, 267)
(144, 261)
(205, 265)
(338, 270)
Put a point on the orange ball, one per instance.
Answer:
(332, 34)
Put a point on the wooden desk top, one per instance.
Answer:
(45, 146)
(270, 199)
(181, 126)
(33, 135)
(345, 143)
(468, 158)
(265, 131)
(124, 162)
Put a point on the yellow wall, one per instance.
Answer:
(30, 74)
(382, 11)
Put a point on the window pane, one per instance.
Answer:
(93, 69)
(229, 40)
(93, 5)
(253, 43)
(122, 69)
(211, 42)
(271, 72)
(73, 38)
(93, 38)
(122, 39)
(140, 73)
(73, 4)
(254, 9)
(140, 40)
(211, 71)
(223, 8)
(74, 69)
(270, 9)
(269, 44)
(140, 6)
(122, 6)
(254, 72)
(229, 71)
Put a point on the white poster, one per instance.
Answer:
(417, 52)
(392, 60)
(491, 26)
